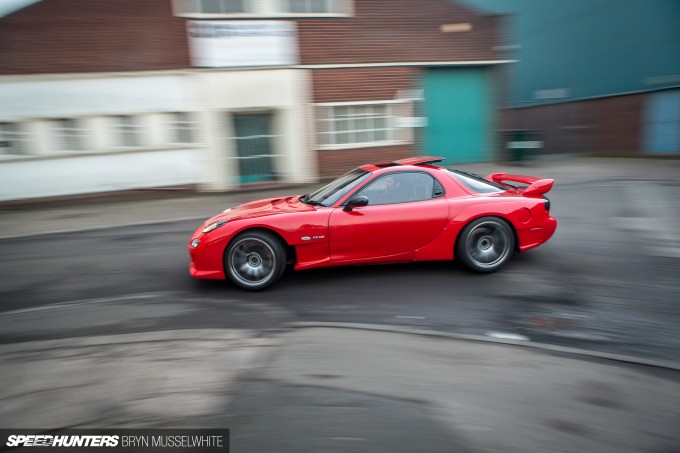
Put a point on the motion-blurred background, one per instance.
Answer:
(220, 94)
(118, 117)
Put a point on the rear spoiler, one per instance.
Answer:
(537, 186)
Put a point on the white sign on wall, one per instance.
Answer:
(220, 44)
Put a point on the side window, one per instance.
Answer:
(477, 183)
(438, 189)
(400, 188)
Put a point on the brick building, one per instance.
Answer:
(101, 96)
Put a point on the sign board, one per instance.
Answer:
(223, 44)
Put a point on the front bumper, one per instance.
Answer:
(206, 257)
(205, 274)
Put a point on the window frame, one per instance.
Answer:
(178, 123)
(328, 120)
(69, 131)
(329, 7)
(242, 3)
(18, 135)
(195, 9)
(339, 190)
(263, 9)
(121, 130)
(462, 178)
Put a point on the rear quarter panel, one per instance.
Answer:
(521, 213)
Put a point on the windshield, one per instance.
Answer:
(331, 193)
(477, 183)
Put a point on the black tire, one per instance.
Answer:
(485, 244)
(254, 260)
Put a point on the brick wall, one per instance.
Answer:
(387, 31)
(125, 35)
(604, 126)
(335, 163)
(66, 36)
(399, 31)
(361, 84)
(618, 124)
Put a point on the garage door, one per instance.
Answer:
(457, 106)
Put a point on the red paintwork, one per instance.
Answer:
(417, 231)
(536, 186)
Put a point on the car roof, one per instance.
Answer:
(420, 160)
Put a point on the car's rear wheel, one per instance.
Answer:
(485, 244)
(255, 260)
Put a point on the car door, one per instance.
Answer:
(406, 211)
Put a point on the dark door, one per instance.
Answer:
(254, 147)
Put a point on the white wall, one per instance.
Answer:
(38, 178)
(283, 92)
(211, 96)
(66, 97)
(102, 165)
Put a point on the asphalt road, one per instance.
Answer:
(607, 281)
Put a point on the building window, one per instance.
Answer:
(13, 139)
(357, 125)
(221, 6)
(69, 135)
(335, 7)
(128, 131)
(312, 6)
(261, 8)
(217, 7)
(181, 127)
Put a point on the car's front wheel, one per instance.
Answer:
(255, 260)
(485, 244)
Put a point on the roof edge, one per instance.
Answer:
(8, 7)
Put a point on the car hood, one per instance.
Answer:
(264, 207)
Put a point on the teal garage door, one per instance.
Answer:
(457, 106)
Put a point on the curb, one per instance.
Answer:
(107, 227)
(577, 353)
(249, 337)
(197, 218)
(256, 338)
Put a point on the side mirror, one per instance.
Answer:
(356, 202)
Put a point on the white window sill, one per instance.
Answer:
(260, 16)
(6, 158)
(362, 145)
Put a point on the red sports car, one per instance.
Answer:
(388, 212)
